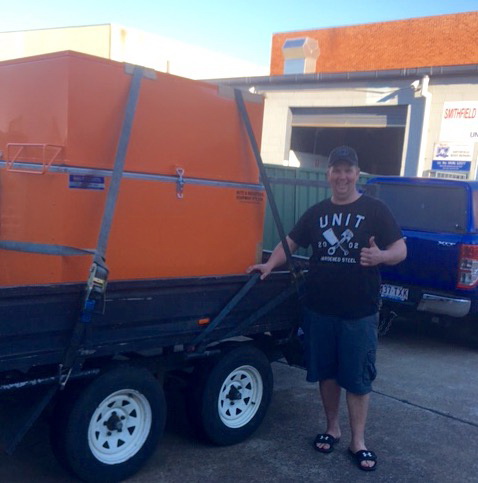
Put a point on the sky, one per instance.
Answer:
(239, 28)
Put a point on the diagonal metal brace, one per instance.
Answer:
(224, 312)
(264, 310)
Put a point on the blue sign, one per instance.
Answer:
(86, 182)
(439, 165)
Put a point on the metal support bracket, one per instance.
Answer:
(46, 153)
(63, 376)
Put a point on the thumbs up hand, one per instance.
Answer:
(372, 256)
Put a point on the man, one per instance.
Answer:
(351, 234)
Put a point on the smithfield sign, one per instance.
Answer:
(459, 122)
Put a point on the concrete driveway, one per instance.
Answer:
(423, 424)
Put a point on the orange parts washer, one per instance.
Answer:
(60, 123)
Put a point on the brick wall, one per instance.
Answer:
(419, 42)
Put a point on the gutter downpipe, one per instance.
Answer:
(427, 95)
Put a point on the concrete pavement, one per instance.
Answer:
(423, 424)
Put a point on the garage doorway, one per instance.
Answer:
(376, 133)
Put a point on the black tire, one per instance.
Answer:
(232, 396)
(112, 427)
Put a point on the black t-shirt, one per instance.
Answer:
(337, 284)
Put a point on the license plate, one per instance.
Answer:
(393, 292)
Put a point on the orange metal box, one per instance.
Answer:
(60, 120)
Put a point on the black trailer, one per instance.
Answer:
(96, 356)
(108, 411)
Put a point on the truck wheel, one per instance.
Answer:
(233, 395)
(112, 427)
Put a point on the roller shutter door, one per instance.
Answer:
(373, 117)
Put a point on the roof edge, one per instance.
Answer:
(436, 71)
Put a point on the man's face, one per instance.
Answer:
(342, 178)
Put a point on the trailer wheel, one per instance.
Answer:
(112, 427)
(233, 395)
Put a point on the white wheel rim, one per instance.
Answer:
(240, 396)
(119, 426)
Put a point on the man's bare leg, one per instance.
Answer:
(358, 410)
(330, 395)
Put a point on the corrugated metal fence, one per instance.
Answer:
(295, 190)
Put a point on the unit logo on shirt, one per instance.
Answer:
(338, 237)
(336, 243)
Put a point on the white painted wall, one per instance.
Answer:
(129, 45)
(279, 99)
(93, 40)
(176, 57)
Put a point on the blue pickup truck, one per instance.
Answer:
(438, 281)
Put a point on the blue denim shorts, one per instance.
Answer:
(341, 349)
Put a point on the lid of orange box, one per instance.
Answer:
(78, 101)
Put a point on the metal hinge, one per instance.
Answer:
(180, 183)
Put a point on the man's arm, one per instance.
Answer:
(276, 259)
(393, 254)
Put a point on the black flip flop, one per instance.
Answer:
(364, 455)
(325, 438)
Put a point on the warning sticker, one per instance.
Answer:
(250, 196)
(86, 182)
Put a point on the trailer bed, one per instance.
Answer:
(141, 315)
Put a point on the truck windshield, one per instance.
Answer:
(425, 208)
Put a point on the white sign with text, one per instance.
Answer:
(459, 122)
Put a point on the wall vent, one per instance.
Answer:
(300, 55)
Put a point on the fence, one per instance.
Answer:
(294, 191)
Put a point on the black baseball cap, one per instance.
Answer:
(343, 153)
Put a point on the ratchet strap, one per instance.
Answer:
(293, 268)
(94, 298)
(44, 249)
(200, 340)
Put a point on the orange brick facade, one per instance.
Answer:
(419, 42)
